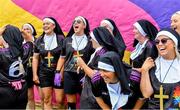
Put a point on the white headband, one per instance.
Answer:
(105, 66)
(48, 19)
(28, 25)
(108, 23)
(93, 37)
(168, 34)
(140, 29)
(82, 18)
(177, 12)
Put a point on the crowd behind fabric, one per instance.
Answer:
(89, 65)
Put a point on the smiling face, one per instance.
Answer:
(109, 77)
(175, 22)
(166, 47)
(78, 26)
(48, 27)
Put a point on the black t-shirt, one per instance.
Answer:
(9, 68)
(39, 47)
(170, 89)
(68, 52)
(27, 55)
(88, 100)
(100, 89)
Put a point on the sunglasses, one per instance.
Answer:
(163, 41)
(77, 21)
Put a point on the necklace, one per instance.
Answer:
(78, 43)
(77, 51)
(162, 80)
(49, 42)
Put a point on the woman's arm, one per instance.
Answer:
(35, 63)
(145, 84)
(88, 71)
(60, 65)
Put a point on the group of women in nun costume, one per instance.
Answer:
(29, 33)
(90, 64)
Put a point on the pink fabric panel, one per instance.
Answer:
(123, 12)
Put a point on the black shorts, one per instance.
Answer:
(59, 87)
(87, 99)
(13, 99)
(72, 82)
(46, 78)
(29, 78)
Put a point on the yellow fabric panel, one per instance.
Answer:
(10, 13)
(126, 57)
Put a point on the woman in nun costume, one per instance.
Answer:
(175, 22)
(162, 75)
(13, 87)
(145, 32)
(77, 43)
(29, 33)
(47, 49)
(102, 41)
(114, 74)
(111, 26)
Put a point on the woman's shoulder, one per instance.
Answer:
(150, 44)
(60, 37)
(39, 39)
(67, 38)
(4, 53)
(28, 44)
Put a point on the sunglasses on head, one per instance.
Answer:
(163, 41)
(78, 21)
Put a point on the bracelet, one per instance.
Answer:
(57, 71)
(143, 99)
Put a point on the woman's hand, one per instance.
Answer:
(80, 62)
(57, 78)
(36, 79)
(148, 64)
